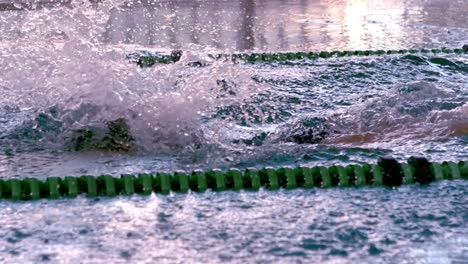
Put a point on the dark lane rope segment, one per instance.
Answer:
(387, 172)
(148, 60)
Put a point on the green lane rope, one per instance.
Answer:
(387, 172)
(148, 60)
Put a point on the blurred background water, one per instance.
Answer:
(64, 72)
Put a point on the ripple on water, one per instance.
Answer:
(367, 224)
(64, 69)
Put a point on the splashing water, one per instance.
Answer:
(89, 83)
(66, 89)
(73, 103)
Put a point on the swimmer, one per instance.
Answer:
(416, 110)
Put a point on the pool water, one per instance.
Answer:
(411, 224)
(72, 103)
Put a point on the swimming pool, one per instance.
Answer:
(65, 74)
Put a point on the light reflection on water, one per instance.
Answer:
(75, 52)
(274, 25)
(74, 58)
(370, 225)
(290, 25)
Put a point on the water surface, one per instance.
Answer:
(64, 68)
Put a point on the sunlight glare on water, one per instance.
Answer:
(66, 77)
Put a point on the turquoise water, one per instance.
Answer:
(309, 112)
(65, 76)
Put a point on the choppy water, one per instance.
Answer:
(63, 69)
(405, 225)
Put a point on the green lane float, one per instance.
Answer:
(147, 59)
(387, 172)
